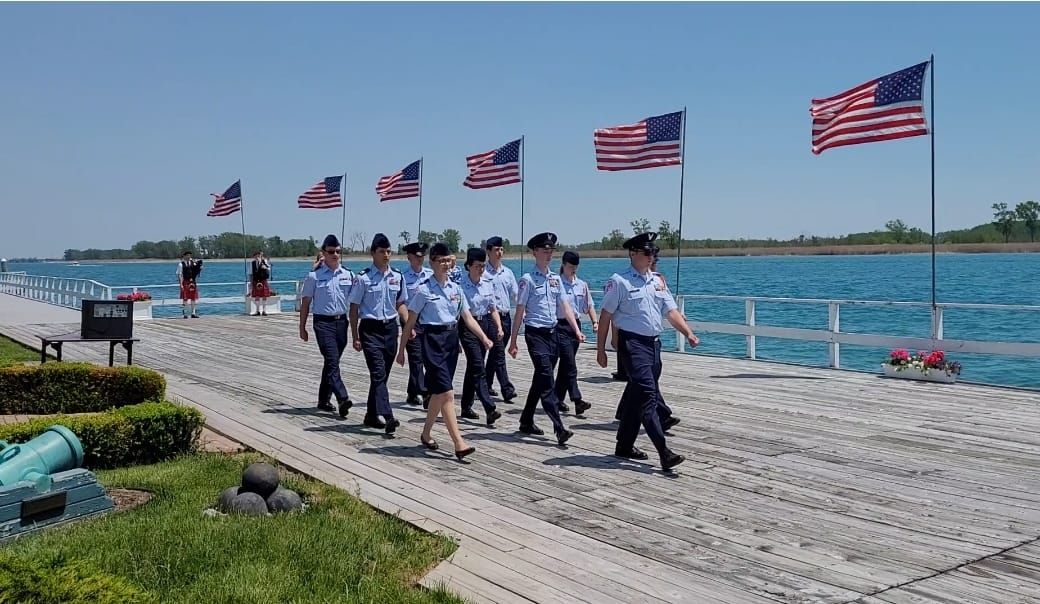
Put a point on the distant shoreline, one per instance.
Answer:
(804, 250)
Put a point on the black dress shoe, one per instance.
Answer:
(429, 444)
(563, 437)
(632, 453)
(671, 460)
(670, 423)
(344, 407)
(492, 417)
(508, 396)
(492, 392)
(619, 377)
(426, 401)
(374, 422)
(531, 429)
(562, 406)
(325, 406)
(414, 400)
(580, 407)
(392, 424)
(469, 414)
(464, 453)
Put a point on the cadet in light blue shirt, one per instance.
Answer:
(325, 292)
(480, 297)
(415, 273)
(576, 293)
(505, 290)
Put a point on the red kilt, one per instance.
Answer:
(260, 289)
(189, 290)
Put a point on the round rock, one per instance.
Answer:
(260, 478)
(228, 494)
(284, 500)
(249, 504)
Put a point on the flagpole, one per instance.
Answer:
(343, 200)
(931, 135)
(420, 198)
(245, 254)
(682, 181)
(522, 202)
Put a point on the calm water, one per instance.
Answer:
(974, 278)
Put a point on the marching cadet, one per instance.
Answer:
(325, 291)
(480, 297)
(538, 306)
(505, 285)
(415, 273)
(637, 301)
(438, 307)
(577, 294)
(378, 299)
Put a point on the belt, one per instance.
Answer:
(637, 336)
(545, 330)
(380, 321)
(564, 322)
(329, 317)
(432, 328)
(481, 317)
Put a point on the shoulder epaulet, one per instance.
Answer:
(396, 270)
(364, 271)
(656, 274)
(423, 281)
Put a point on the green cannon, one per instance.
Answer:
(56, 450)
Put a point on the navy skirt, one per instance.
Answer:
(440, 356)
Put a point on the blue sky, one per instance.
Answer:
(119, 120)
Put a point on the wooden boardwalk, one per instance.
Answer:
(801, 485)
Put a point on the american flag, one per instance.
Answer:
(650, 143)
(228, 203)
(400, 185)
(884, 109)
(323, 195)
(494, 168)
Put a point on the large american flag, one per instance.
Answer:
(494, 168)
(884, 109)
(400, 185)
(650, 143)
(323, 195)
(228, 203)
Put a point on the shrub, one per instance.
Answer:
(58, 580)
(76, 388)
(144, 433)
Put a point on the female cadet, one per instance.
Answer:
(438, 306)
(415, 273)
(576, 292)
(480, 296)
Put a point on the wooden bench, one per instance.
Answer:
(56, 343)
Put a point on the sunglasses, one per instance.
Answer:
(335, 252)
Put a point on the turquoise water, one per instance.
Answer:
(971, 278)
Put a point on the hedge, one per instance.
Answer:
(75, 388)
(57, 580)
(136, 434)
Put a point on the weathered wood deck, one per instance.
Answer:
(801, 485)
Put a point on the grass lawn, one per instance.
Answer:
(13, 352)
(339, 550)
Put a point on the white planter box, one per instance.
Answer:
(274, 305)
(142, 310)
(912, 373)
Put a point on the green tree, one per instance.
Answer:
(405, 237)
(669, 239)
(1029, 213)
(452, 238)
(614, 240)
(898, 229)
(429, 237)
(640, 225)
(1004, 219)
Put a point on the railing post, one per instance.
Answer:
(680, 342)
(937, 322)
(749, 320)
(834, 326)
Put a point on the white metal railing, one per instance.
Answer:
(62, 291)
(166, 294)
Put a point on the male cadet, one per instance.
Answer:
(505, 285)
(378, 298)
(327, 289)
(538, 304)
(415, 273)
(637, 300)
(187, 276)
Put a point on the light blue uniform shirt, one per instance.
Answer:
(505, 286)
(576, 293)
(541, 295)
(480, 297)
(377, 295)
(412, 278)
(637, 301)
(328, 290)
(436, 304)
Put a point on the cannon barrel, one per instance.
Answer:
(57, 449)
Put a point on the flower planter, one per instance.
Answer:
(142, 310)
(274, 305)
(912, 373)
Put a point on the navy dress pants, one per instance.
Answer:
(331, 336)
(641, 358)
(541, 346)
(379, 344)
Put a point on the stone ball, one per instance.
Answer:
(249, 504)
(284, 500)
(224, 502)
(260, 478)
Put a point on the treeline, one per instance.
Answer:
(225, 245)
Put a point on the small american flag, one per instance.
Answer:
(323, 195)
(884, 109)
(228, 203)
(494, 168)
(650, 143)
(400, 185)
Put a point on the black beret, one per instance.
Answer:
(491, 242)
(475, 254)
(186, 253)
(380, 242)
(439, 249)
(542, 240)
(570, 257)
(642, 241)
(330, 241)
(416, 248)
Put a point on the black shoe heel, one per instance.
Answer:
(429, 444)
(464, 453)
